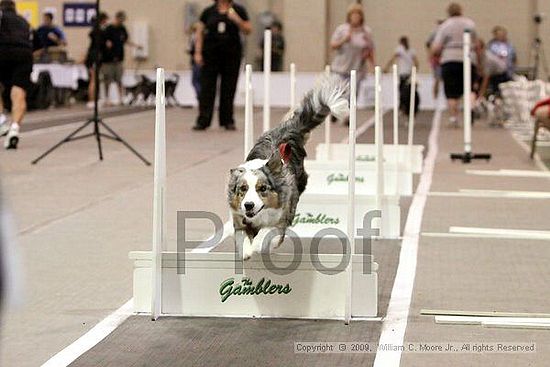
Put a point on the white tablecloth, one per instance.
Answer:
(63, 75)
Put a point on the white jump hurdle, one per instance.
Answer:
(324, 198)
(408, 155)
(210, 285)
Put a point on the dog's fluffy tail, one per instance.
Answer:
(329, 97)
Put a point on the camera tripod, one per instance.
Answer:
(95, 121)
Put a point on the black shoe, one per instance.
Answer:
(230, 127)
(199, 128)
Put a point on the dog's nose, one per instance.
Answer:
(249, 206)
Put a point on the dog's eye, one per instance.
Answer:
(262, 189)
(243, 188)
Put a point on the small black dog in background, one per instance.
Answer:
(144, 92)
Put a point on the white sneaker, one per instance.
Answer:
(11, 140)
(90, 104)
(4, 125)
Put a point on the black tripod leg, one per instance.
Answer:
(65, 140)
(98, 139)
(118, 138)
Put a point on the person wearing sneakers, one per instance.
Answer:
(15, 68)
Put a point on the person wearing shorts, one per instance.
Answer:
(448, 44)
(15, 69)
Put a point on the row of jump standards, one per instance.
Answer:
(346, 182)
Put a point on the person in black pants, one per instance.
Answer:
(218, 50)
(15, 68)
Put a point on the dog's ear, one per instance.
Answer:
(275, 163)
(285, 151)
(234, 175)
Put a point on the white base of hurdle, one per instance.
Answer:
(411, 157)
(309, 293)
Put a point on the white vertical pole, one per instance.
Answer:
(395, 106)
(267, 78)
(396, 153)
(292, 85)
(467, 91)
(411, 106)
(351, 190)
(248, 112)
(379, 139)
(327, 123)
(159, 198)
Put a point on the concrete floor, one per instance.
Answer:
(78, 219)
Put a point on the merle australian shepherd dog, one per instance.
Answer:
(263, 192)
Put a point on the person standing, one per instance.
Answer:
(95, 53)
(116, 37)
(434, 60)
(50, 35)
(15, 68)
(501, 47)
(353, 44)
(218, 50)
(448, 44)
(405, 57)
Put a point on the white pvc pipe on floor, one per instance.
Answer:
(267, 79)
(351, 189)
(327, 123)
(292, 85)
(412, 106)
(248, 112)
(159, 197)
(379, 138)
(467, 40)
(395, 105)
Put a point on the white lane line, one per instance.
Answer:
(364, 126)
(494, 194)
(395, 323)
(478, 236)
(91, 338)
(480, 320)
(509, 173)
(509, 233)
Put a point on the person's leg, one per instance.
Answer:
(196, 81)
(91, 86)
(18, 97)
(228, 86)
(118, 76)
(209, 79)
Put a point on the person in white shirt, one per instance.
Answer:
(448, 44)
(405, 57)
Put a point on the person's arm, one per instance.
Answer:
(437, 43)
(199, 41)
(244, 24)
(391, 62)
(338, 40)
(415, 61)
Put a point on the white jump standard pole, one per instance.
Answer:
(327, 123)
(159, 198)
(467, 156)
(248, 112)
(351, 191)
(292, 85)
(378, 138)
(267, 79)
(412, 106)
(395, 105)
